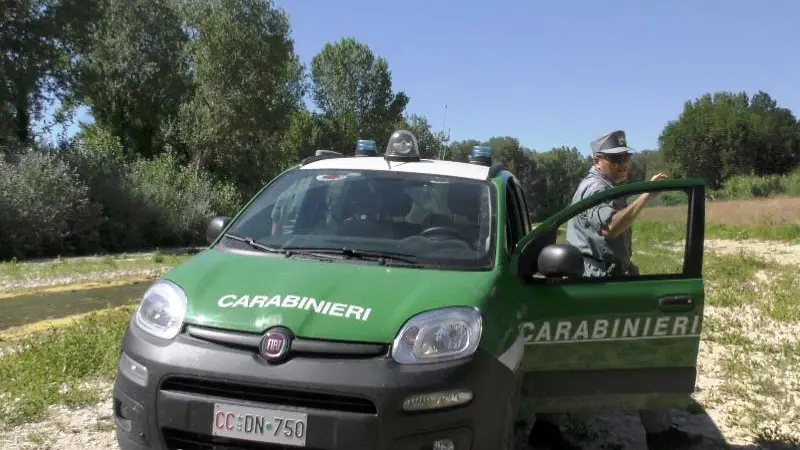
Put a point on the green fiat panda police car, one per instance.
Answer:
(394, 302)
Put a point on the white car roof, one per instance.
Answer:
(424, 166)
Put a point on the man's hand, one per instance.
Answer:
(623, 219)
(659, 176)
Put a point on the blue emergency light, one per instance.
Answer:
(366, 147)
(481, 155)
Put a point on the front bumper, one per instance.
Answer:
(353, 403)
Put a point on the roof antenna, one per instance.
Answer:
(443, 152)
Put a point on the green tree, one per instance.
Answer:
(558, 173)
(725, 134)
(40, 40)
(775, 147)
(645, 164)
(303, 135)
(135, 76)
(518, 159)
(353, 90)
(460, 150)
(247, 84)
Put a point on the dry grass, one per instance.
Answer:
(758, 212)
(772, 219)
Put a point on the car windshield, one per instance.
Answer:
(397, 217)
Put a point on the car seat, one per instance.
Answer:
(360, 211)
(397, 203)
(464, 200)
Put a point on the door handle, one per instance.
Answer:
(676, 302)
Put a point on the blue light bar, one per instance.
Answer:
(365, 147)
(482, 150)
(481, 155)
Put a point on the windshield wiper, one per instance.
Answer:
(252, 243)
(358, 254)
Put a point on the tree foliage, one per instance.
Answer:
(725, 134)
(40, 40)
(247, 84)
(134, 77)
(352, 88)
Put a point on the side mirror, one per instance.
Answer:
(215, 227)
(560, 260)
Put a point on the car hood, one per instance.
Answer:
(352, 301)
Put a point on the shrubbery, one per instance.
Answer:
(93, 198)
(759, 187)
(44, 206)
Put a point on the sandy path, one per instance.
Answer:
(109, 276)
(781, 253)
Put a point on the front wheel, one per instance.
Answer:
(507, 439)
(510, 414)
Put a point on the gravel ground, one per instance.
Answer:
(109, 276)
(91, 428)
(132, 265)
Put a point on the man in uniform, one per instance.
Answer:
(603, 235)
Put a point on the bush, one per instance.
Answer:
(90, 197)
(178, 202)
(45, 207)
(99, 159)
(752, 187)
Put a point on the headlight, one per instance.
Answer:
(162, 310)
(439, 335)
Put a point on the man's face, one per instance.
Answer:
(614, 165)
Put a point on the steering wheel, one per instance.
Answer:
(447, 231)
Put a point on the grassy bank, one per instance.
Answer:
(80, 273)
(59, 366)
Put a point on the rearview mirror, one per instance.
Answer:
(560, 260)
(215, 227)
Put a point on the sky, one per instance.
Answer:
(564, 72)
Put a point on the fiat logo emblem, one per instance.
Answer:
(275, 344)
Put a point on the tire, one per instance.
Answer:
(510, 414)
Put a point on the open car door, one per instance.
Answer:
(614, 342)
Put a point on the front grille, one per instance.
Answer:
(270, 395)
(315, 348)
(182, 440)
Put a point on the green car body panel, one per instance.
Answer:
(614, 328)
(316, 299)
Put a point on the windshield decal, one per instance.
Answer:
(323, 307)
(331, 177)
(615, 329)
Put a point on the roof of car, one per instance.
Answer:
(426, 166)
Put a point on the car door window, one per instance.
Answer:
(514, 228)
(614, 323)
(523, 203)
(653, 246)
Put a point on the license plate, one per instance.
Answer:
(259, 425)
